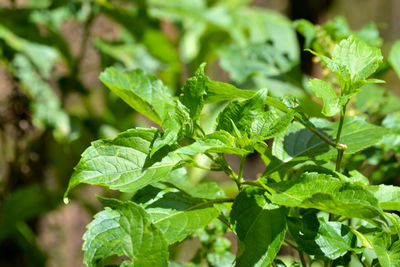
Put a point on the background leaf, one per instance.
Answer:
(388, 196)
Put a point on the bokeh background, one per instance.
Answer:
(52, 104)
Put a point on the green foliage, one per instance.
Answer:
(324, 240)
(151, 163)
(328, 189)
(353, 61)
(259, 242)
(124, 228)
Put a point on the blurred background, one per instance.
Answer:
(52, 104)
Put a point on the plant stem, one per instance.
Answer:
(302, 259)
(322, 136)
(211, 202)
(340, 148)
(253, 183)
(240, 174)
(289, 243)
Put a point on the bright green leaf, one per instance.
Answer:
(250, 118)
(124, 228)
(178, 215)
(123, 163)
(332, 103)
(217, 142)
(388, 254)
(353, 61)
(142, 91)
(220, 91)
(324, 192)
(388, 196)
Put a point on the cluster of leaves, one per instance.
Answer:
(310, 197)
(47, 48)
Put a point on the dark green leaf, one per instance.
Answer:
(22, 204)
(260, 227)
(324, 240)
(194, 92)
(124, 228)
(297, 144)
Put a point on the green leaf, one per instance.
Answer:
(177, 124)
(307, 29)
(43, 63)
(394, 57)
(260, 227)
(353, 61)
(217, 142)
(47, 109)
(221, 255)
(324, 192)
(298, 144)
(332, 103)
(251, 119)
(194, 92)
(254, 59)
(133, 55)
(22, 204)
(205, 190)
(388, 196)
(124, 228)
(324, 240)
(123, 163)
(142, 91)
(391, 141)
(395, 220)
(371, 99)
(220, 91)
(177, 215)
(388, 254)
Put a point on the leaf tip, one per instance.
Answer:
(66, 200)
